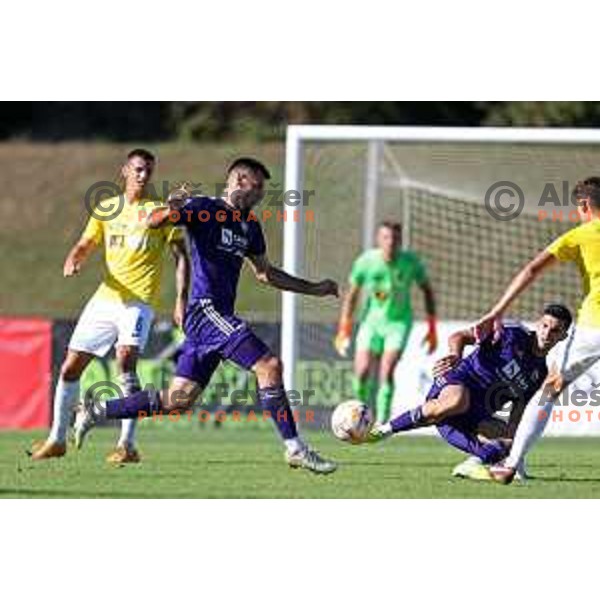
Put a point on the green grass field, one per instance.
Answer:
(190, 462)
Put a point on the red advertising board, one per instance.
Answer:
(25, 373)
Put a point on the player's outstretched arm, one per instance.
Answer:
(268, 274)
(78, 254)
(457, 343)
(159, 217)
(344, 332)
(526, 276)
(182, 279)
(431, 336)
(349, 303)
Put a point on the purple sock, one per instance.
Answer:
(492, 452)
(131, 406)
(488, 452)
(411, 419)
(274, 399)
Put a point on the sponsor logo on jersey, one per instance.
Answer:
(511, 369)
(226, 237)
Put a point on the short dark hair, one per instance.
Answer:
(560, 312)
(588, 188)
(142, 153)
(251, 164)
(395, 226)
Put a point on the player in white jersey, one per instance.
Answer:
(581, 246)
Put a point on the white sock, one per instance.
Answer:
(127, 437)
(65, 396)
(295, 445)
(521, 469)
(530, 428)
(386, 428)
(130, 384)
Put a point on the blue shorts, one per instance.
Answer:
(216, 337)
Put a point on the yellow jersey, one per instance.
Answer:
(581, 245)
(132, 251)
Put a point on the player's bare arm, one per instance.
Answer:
(268, 274)
(160, 216)
(349, 303)
(430, 310)
(457, 342)
(344, 333)
(182, 279)
(78, 254)
(526, 276)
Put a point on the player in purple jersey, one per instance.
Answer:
(221, 236)
(468, 391)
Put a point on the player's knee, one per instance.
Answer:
(439, 409)
(126, 359)
(432, 411)
(274, 367)
(387, 368)
(71, 369)
(269, 369)
(180, 398)
(386, 375)
(459, 404)
(362, 371)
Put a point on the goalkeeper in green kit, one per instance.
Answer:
(385, 275)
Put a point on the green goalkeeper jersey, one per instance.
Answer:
(387, 285)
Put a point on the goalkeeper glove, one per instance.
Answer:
(343, 338)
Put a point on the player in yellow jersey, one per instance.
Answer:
(122, 309)
(581, 246)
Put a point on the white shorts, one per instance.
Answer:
(104, 323)
(578, 354)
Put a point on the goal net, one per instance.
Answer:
(435, 182)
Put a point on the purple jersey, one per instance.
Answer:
(220, 238)
(497, 372)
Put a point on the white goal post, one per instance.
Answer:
(375, 137)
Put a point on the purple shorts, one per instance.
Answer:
(478, 411)
(217, 337)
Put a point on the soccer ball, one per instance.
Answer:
(351, 421)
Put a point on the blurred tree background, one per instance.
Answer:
(265, 121)
(52, 152)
